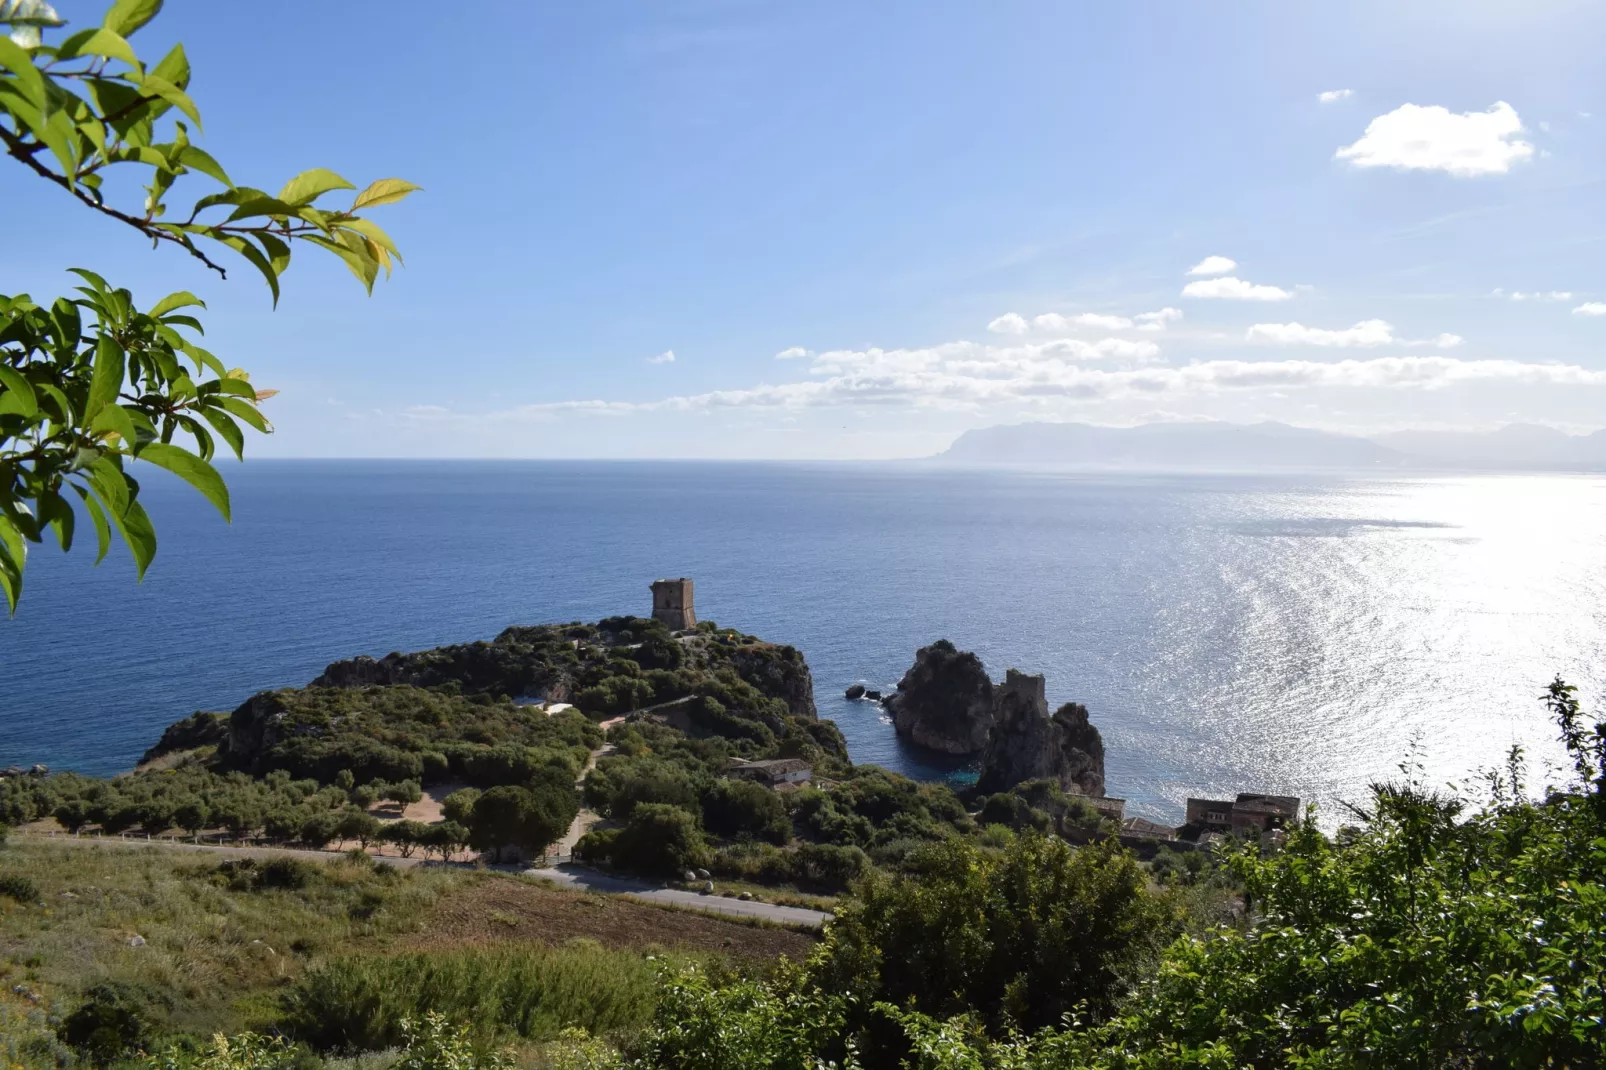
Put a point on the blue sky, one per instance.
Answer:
(919, 200)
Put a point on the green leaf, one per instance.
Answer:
(103, 531)
(126, 16)
(226, 428)
(102, 42)
(190, 468)
(55, 512)
(175, 67)
(19, 392)
(201, 160)
(247, 412)
(238, 387)
(309, 185)
(277, 250)
(383, 191)
(110, 483)
(240, 245)
(114, 418)
(370, 230)
(29, 82)
(180, 299)
(358, 259)
(140, 535)
(13, 556)
(153, 85)
(107, 377)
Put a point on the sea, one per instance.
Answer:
(1304, 635)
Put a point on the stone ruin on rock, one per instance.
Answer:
(946, 702)
(672, 604)
(1028, 744)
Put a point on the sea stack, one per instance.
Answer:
(1029, 744)
(945, 701)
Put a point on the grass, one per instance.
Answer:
(223, 942)
(172, 925)
(357, 1004)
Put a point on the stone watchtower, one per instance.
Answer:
(672, 604)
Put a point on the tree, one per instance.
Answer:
(459, 805)
(498, 818)
(403, 792)
(445, 839)
(1020, 938)
(660, 839)
(510, 816)
(93, 383)
(192, 814)
(354, 824)
(406, 836)
(741, 807)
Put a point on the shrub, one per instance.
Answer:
(459, 805)
(529, 820)
(659, 839)
(740, 807)
(16, 886)
(1018, 938)
(114, 1018)
(359, 1004)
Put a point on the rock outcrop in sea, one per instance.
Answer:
(945, 701)
(1029, 744)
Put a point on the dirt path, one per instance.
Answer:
(563, 850)
(567, 876)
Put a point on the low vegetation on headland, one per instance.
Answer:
(1004, 931)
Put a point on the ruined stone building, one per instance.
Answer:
(1247, 813)
(672, 604)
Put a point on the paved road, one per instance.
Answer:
(571, 876)
(566, 876)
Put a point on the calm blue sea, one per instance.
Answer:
(1302, 635)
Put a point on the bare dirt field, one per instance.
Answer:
(501, 911)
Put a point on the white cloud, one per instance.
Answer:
(1008, 323)
(1591, 308)
(666, 357)
(792, 353)
(1334, 94)
(1365, 333)
(971, 376)
(1235, 289)
(1416, 138)
(1213, 265)
(1535, 295)
(1156, 321)
(1053, 321)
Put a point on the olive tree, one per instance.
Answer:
(92, 383)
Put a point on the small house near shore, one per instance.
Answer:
(774, 773)
(1248, 813)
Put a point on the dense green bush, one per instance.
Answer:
(661, 840)
(19, 888)
(533, 992)
(526, 819)
(112, 1019)
(737, 808)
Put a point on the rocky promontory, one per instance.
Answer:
(945, 701)
(1029, 744)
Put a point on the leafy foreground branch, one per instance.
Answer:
(90, 384)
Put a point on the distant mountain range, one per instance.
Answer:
(1224, 446)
